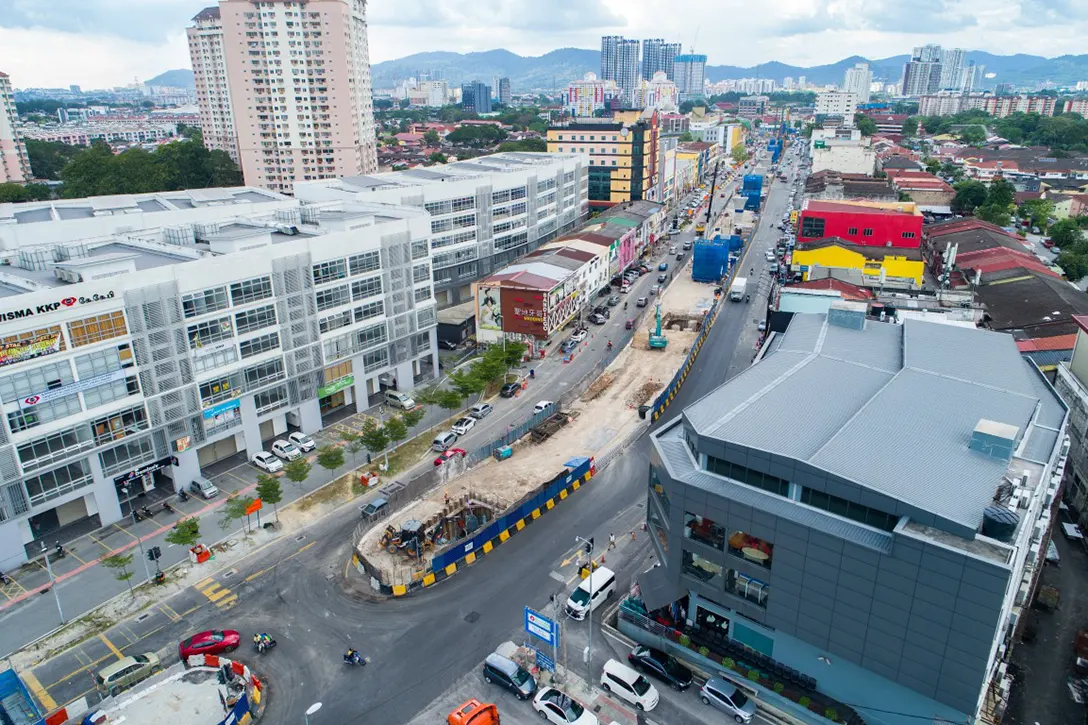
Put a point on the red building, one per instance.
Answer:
(871, 224)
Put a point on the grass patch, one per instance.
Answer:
(405, 456)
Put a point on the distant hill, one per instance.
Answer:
(555, 69)
(180, 78)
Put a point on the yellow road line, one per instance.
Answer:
(235, 476)
(126, 531)
(286, 558)
(215, 592)
(103, 544)
(39, 692)
(204, 582)
(189, 611)
(73, 555)
(169, 612)
(111, 646)
(227, 602)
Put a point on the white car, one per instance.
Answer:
(480, 410)
(286, 450)
(579, 335)
(267, 462)
(542, 406)
(562, 709)
(304, 442)
(463, 426)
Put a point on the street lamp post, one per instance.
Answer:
(311, 710)
(132, 510)
(588, 543)
(53, 583)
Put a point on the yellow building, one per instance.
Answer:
(833, 253)
(624, 155)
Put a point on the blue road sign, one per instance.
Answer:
(541, 627)
(544, 662)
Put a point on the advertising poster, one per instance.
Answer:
(488, 308)
(28, 349)
(523, 312)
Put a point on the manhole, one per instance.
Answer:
(471, 617)
(230, 573)
(143, 616)
(300, 537)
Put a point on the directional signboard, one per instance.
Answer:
(544, 662)
(541, 627)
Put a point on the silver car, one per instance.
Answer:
(721, 695)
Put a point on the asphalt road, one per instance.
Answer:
(301, 592)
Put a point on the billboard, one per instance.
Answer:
(31, 347)
(488, 308)
(523, 311)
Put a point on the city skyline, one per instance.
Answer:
(98, 47)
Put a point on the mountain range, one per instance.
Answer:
(555, 69)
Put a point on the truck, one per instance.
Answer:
(738, 289)
(700, 229)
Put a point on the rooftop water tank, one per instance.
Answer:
(999, 523)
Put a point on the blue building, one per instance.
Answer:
(476, 97)
(855, 522)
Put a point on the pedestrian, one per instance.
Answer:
(611, 541)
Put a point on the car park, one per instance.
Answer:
(559, 708)
(211, 642)
(127, 671)
(661, 666)
(286, 450)
(480, 410)
(448, 454)
(463, 425)
(510, 390)
(267, 462)
(302, 441)
(641, 302)
(597, 318)
(204, 488)
(721, 695)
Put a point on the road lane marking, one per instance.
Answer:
(169, 611)
(74, 556)
(119, 528)
(100, 543)
(109, 644)
(39, 692)
(253, 576)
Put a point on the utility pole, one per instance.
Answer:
(53, 583)
(588, 543)
(132, 510)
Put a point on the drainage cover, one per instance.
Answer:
(230, 573)
(471, 617)
(300, 537)
(142, 617)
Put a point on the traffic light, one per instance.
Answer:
(154, 553)
(589, 545)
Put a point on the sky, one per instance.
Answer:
(105, 43)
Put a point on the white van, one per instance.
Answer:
(398, 399)
(581, 602)
(624, 681)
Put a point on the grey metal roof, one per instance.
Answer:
(890, 407)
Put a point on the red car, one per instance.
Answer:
(212, 642)
(446, 455)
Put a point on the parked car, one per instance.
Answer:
(723, 696)
(559, 708)
(127, 671)
(447, 345)
(604, 291)
(662, 278)
(625, 288)
(542, 405)
(603, 310)
(510, 390)
(629, 685)
(579, 335)
(641, 302)
(480, 410)
(286, 450)
(597, 318)
(302, 441)
(660, 665)
(569, 346)
(206, 489)
(463, 425)
(613, 300)
(211, 642)
(267, 462)
(509, 675)
(443, 441)
(664, 266)
(448, 454)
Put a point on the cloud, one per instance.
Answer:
(1035, 13)
(139, 20)
(530, 15)
(890, 16)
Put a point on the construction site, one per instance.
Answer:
(604, 415)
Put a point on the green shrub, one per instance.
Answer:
(778, 687)
(704, 651)
(804, 701)
(685, 640)
(831, 714)
(753, 675)
(728, 662)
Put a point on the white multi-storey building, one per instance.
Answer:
(147, 336)
(300, 92)
(485, 212)
(14, 163)
(837, 103)
(858, 80)
(658, 92)
(212, 84)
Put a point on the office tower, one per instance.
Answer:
(14, 163)
(619, 62)
(952, 68)
(657, 55)
(476, 97)
(502, 93)
(973, 77)
(922, 73)
(212, 83)
(801, 83)
(690, 76)
(927, 53)
(858, 81)
(300, 94)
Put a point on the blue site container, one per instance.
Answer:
(710, 260)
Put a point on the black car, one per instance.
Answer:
(603, 311)
(447, 345)
(656, 663)
(510, 390)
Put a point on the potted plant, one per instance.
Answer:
(778, 687)
(804, 701)
(831, 714)
(728, 662)
(685, 641)
(704, 651)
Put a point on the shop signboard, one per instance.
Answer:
(336, 386)
(142, 471)
(523, 311)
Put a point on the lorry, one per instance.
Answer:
(738, 289)
(700, 229)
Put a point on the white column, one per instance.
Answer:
(251, 429)
(187, 469)
(309, 415)
(105, 493)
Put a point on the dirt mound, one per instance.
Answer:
(600, 385)
(644, 393)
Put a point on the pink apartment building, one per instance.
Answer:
(210, 75)
(14, 163)
(298, 77)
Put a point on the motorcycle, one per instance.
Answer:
(352, 657)
(59, 551)
(148, 513)
(263, 645)
(167, 507)
(182, 496)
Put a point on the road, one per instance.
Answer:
(301, 592)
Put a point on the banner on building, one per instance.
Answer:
(523, 312)
(488, 308)
(28, 349)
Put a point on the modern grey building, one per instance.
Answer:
(476, 97)
(690, 75)
(619, 62)
(867, 506)
(657, 55)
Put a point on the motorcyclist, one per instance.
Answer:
(352, 656)
(610, 345)
(625, 305)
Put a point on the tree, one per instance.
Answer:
(910, 126)
(864, 124)
(973, 135)
(933, 166)
(431, 138)
(685, 137)
(1001, 193)
(297, 470)
(437, 158)
(449, 400)
(16, 193)
(1066, 234)
(969, 196)
(120, 563)
(739, 154)
(330, 457)
(1074, 265)
(185, 533)
(373, 436)
(1037, 212)
(235, 510)
(532, 145)
(352, 443)
(270, 491)
(413, 417)
(686, 106)
(477, 135)
(395, 430)
(467, 382)
(995, 214)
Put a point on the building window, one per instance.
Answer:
(118, 425)
(702, 569)
(908, 235)
(499, 197)
(439, 207)
(742, 474)
(27, 418)
(365, 262)
(59, 481)
(751, 549)
(465, 202)
(374, 360)
(104, 361)
(251, 290)
(419, 249)
(329, 298)
(658, 526)
(35, 380)
(709, 621)
(109, 392)
(866, 232)
(704, 531)
(127, 456)
(260, 344)
(216, 391)
(849, 509)
(741, 585)
(251, 320)
(330, 271)
(812, 227)
(203, 302)
(334, 322)
(263, 373)
(335, 372)
(852, 231)
(423, 294)
(90, 330)
(659, 490)
(209, 332)
(363, 288)
(421, 273)
(55, 447)
(369, 310)
(269, 400)
(371, 336)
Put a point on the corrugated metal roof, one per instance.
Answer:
(1040, 444)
